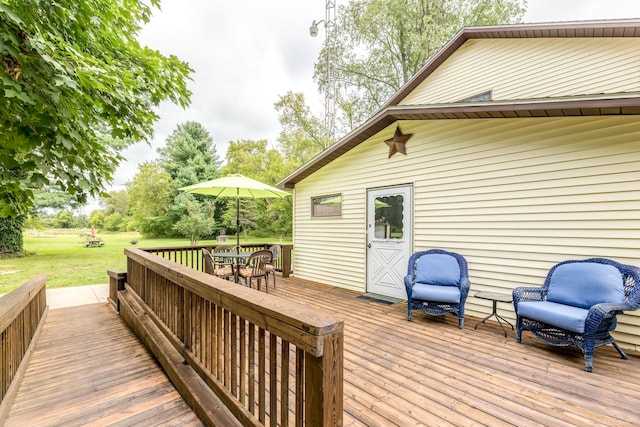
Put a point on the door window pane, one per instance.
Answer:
(389, 217)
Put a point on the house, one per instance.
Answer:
(516, 146)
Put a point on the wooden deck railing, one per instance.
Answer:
(21, 313)
(191, 256)
(269, 361)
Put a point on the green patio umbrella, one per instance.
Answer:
(236, 186)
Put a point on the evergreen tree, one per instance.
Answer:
(189, 155)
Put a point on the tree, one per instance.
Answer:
(115, 202)
(77, 87)
(246, 157)
(97, 219)
(302, 135)
(189, 155)
(255, 160)
(277, 217)
(47, 199)
(151, 195)
(380, 44)
(48, 205)
(82, 220)
(65, 219)
(198, 222)
(115, 211)
(248, 215)
(115, 222)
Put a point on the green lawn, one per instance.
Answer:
(61, 256)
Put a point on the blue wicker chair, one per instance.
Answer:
(437, 282)
(578, 304)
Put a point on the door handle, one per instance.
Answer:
(369, 245)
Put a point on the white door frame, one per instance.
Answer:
(388, 251)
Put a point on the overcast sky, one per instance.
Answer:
(247, 53)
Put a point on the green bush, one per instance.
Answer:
(97, 219)
(114, 222)
(11, 235)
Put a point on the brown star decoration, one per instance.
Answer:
(398, 142)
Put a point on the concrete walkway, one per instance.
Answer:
(77, 295)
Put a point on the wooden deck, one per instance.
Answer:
(429, 372)
(87, 370)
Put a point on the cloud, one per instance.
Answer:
(580, 10)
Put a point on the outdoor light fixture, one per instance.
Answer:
(313, 29)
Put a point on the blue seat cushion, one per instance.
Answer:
(584, 284)
(563, 316)
(438, 269)
(436, 293)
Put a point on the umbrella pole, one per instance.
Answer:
(238, 218)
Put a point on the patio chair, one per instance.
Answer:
(271, 267)
(437, 282)
(256, 269)
(222, 271)
(578, 304)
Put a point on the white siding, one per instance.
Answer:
(514, 196)
(533, 68)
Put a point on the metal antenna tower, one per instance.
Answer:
(329, 51)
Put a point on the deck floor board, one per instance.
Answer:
(88, 369)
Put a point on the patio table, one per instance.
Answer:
(238, 259)
(495, 297)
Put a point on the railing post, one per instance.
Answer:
(324, 383)
(286, 260)
(117, 279)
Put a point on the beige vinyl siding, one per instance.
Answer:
(514, 196)
(533, 68)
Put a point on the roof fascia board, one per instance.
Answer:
(581, 106)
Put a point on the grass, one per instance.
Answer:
(60, 254)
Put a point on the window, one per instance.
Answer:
(389, 217)
(326, 205)
(484, 96)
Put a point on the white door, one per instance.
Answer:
(389, 239)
